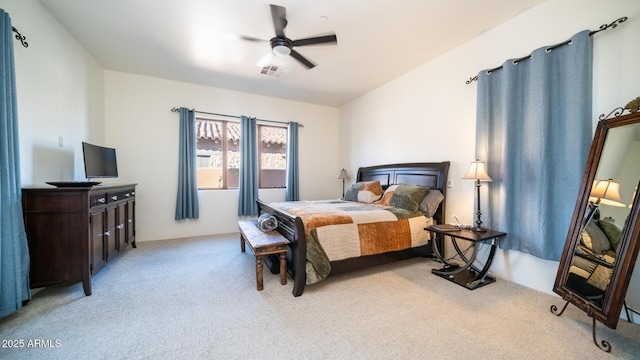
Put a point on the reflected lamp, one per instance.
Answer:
(604, 192)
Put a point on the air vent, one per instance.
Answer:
(273, 70)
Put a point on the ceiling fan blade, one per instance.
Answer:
(296, 55)
(327, 39)
(250, 38)
(279, 16)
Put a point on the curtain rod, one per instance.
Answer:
(613, 25)
(20, 37)
(175, 109)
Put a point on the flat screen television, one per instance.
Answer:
(99, 161)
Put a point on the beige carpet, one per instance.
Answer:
(196, 298)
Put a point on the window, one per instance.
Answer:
(218, 154)
(273, 156)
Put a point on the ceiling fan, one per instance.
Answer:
(282, 45)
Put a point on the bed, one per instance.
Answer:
(429, 175)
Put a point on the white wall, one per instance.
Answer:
(141, 126)
(429, 113)
(60, 94)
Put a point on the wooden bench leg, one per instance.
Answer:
(283, 268)
(259, 272)
(242, 243)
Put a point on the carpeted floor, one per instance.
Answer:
(196, 298)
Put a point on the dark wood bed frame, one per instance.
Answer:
(431, 175)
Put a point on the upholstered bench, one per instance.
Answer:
(263, 243)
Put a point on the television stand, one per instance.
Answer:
(73, 232)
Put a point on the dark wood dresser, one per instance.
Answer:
(73, 232)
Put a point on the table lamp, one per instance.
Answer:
(344, 176)
(478, 173)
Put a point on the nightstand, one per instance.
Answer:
(467, 274)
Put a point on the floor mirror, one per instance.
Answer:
(603, 239)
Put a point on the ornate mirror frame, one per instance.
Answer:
(607, 309)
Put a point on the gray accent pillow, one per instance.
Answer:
(429, 205)
(352, 193)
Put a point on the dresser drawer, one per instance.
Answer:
(97, 200)
(113, 197)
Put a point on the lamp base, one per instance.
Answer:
(478, 227)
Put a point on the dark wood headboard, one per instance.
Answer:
(431, 175)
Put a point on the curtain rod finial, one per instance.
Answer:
(472, 79)
(20, 37)
(612, 25)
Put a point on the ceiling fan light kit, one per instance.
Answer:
(281, 50)
(283, 46)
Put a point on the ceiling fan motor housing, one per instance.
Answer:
(281, 46)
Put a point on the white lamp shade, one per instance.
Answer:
(343, 174)
(606, 192)
(477, 172)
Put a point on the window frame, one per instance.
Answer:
(225, 149)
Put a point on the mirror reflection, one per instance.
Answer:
(610, 202)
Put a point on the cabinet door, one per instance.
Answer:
(131, 221)
(111, 234)
(97, 243)
(120, 228)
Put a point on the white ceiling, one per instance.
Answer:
(192, 40)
